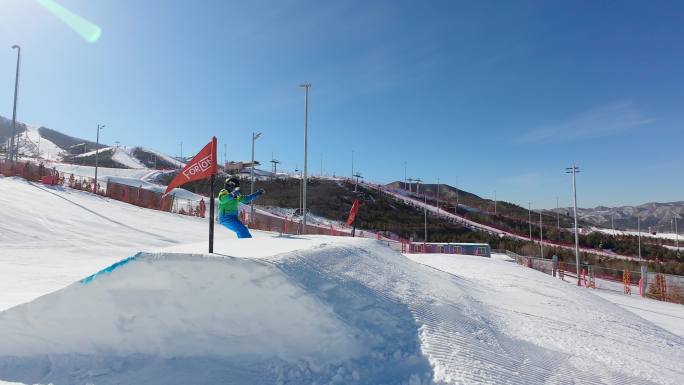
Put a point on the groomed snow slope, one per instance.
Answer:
(329, 310)
(51, 236)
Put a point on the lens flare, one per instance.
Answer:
(89, 31)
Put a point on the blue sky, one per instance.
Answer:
(499, 96)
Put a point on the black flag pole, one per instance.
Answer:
(211, 213)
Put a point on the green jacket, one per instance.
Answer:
(228, 203)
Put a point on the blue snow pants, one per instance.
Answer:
(232, 222)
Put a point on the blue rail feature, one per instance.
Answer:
(109, 269)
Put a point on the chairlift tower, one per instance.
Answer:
(274, 168)
(356, 181)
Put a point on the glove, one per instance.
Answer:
(261, 191)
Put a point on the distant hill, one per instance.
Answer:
(470, 203)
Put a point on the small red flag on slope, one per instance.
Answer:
(202, 165)
(352, 213)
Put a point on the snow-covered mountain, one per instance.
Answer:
(656, 216)
(45, 143)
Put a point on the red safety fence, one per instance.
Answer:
(662, 287)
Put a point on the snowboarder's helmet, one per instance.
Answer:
(231, 183)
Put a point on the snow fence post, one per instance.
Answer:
(643, 282)
(554, 265)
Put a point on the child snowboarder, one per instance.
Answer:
(229, 198)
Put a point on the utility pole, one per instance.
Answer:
(225, 154)
(97, 147)
(410, 180)
(306, 87)
(574, 170)
(529, 214)
(12, 151)
(418, 185)
(612, 223)
(541, 234)
(255, 136)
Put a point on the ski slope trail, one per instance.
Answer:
(320, 310)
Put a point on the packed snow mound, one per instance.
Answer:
(178, 305)
(342, 311)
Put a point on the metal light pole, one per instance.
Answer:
(541, 234)
(529, 214)
(352, 164)
(494, 202)
(557, 217)
(457, 195)
(404, 175)
(299, 172)
(306, 87)
(97, 147)
(676, 236)
(255, 136)
(437, 196)
(639, 234)
(11, 151)
(425, 213)
(574, 170)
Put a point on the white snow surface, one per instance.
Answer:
(287, 310)
(45, 149)
(644, 234)
(119, 154)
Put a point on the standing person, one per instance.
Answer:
(229, 198)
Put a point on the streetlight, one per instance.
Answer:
(255, 136)
(14, 110)
(97, 147)
(574, 170)
(306, 87)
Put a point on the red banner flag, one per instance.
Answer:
(352, 213)
(202, 165)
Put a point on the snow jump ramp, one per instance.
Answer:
(347, 312)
